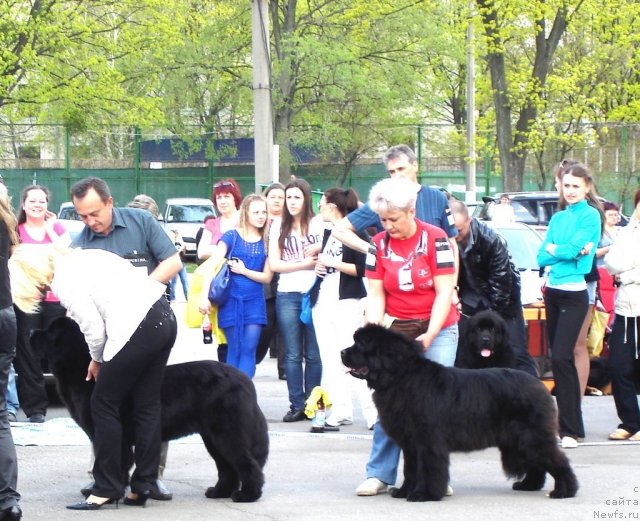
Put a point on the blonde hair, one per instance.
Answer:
(31, 272)
(243, 223)
(7, 216)
(145, 202)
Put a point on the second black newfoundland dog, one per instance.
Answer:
(209, 398)
(485, 343)
(430, 411)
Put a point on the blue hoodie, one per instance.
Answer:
(570, 230)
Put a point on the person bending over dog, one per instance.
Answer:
(134, 234)
(130, 329)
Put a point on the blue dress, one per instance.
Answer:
(246, 304)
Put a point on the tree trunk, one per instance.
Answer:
(513, 147)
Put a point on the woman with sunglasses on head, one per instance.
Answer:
(294, 243)
(227, 198)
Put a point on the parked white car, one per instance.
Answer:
(186, 214)
(523, 242)
(70, 219)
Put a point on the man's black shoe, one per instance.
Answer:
(161, 492)
(13, 513)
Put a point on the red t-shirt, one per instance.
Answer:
(407, 268)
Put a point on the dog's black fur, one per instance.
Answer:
(430, 411)
(485, 343)
(209, 398)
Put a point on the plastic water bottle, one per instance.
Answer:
(207, 333)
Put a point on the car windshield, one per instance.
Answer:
(189, 213)
(69, 213)
(523, 244)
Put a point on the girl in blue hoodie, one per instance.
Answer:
(568, 249)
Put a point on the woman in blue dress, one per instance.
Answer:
(243, 316)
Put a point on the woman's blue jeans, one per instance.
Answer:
(299, 342)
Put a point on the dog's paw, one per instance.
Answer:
(400, 492)
(558, 493)
(527, 486)
(218, 492)
(421, 495)
(243, 496)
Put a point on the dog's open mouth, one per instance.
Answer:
(486, 353)
(358, 372)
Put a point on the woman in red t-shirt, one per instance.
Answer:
(411, 275)
(412, 279)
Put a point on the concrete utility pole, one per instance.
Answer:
(470, 173)
(265, 170)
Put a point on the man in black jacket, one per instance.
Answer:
(488, 279)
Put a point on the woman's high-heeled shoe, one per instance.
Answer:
(140, 499)
(87, 504)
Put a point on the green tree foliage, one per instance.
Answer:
(79, 62)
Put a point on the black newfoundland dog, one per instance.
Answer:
(209, 398)
(485, 343)
(430, 411)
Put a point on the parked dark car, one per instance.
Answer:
(532, 208)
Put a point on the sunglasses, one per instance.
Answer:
(220, 184)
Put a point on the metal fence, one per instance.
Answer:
(133, 162)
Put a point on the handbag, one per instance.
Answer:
(597, 331)
(220, 286)
(309, 300)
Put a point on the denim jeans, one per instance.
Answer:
(299, 340)
(13, 404)
(385, 454)
(182, 274)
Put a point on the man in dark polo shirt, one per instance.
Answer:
(132, 233)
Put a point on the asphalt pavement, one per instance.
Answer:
(313, 476)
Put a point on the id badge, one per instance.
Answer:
(370, 260)
(138, 261)
(405, 282)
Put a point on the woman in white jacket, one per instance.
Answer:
(129, 328)
(623, 261)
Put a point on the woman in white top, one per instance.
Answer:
(339, 310)
(130, 329)
(294, 244)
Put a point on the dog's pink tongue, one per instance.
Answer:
(486, 353)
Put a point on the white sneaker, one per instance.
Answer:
(569, 443)
(371, 487)
(449, 491)
(336, 422)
